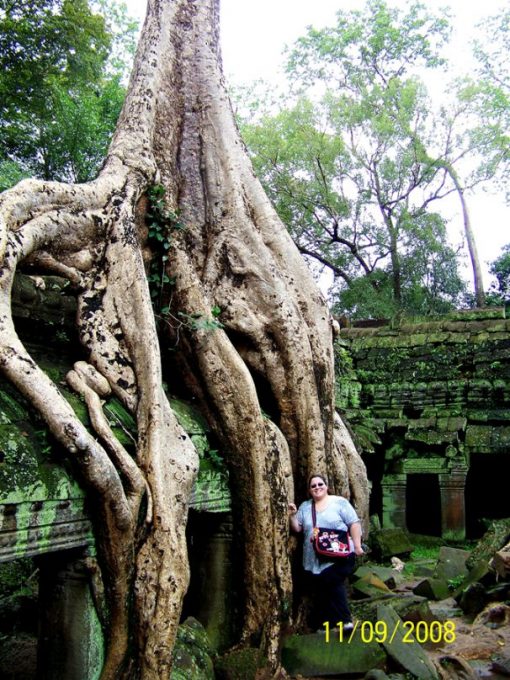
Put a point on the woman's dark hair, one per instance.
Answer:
(319, 476)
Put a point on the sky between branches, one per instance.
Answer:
(255, 33)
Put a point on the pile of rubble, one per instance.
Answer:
(450, 620)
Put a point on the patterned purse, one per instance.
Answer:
(329, 544)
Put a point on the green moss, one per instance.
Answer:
(241, 664)
(189, 417)
(192, 654)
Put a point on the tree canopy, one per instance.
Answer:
(487, 94)
(358, 160)
(500, 269)
(61, 70)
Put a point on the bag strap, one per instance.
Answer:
(314, 520)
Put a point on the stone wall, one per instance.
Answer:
(43, 507)
(429, 403)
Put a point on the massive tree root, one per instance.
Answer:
(272, 355)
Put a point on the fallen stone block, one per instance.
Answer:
(451, 563)
(408, 655)
(408, 607)
(480, 573)
(446, 609)
(392, 541)
(432, 589)
(370, 585)
(389, 576)
(473, 599)
(501, 562)
(311, 656)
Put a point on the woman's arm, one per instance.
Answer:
(355, 531)
(294, 524)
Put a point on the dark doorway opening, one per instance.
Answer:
(423, 504)
(214, 584)
(374, 463)
(486, 491)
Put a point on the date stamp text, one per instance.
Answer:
(379, 631)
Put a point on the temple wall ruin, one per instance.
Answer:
(429, 403)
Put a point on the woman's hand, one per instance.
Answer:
(294, 524)
(355, 530)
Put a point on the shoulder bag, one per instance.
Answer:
(329, 544)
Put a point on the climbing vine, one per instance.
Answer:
(164, 223)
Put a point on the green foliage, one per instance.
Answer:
(486, 94)
(376, 44)
(15, 577)
(10, 173)
(213, 460)
(198, 322)
(500, 268)
(61, 67)
(456, 581)
(161, 223)
(346, 162)
(422, 553)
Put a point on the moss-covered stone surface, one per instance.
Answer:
(442, 386)
(428, 397)
(318, 655)
(192, 655)
(42, 502)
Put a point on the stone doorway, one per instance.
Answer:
(486, 491)
(423, 504)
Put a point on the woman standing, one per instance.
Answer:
(327, 578)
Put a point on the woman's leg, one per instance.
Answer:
(333, 594)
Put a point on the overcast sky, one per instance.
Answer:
(255, 32)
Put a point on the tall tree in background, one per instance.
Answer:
(224, 249)
(358, 175)
(475, 126)
(487, 94)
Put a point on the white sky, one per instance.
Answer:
(255, 32)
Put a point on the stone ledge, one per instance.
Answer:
(311, 655)
(26, 531)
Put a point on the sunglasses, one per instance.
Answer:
(314, 486)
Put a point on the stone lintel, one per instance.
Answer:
(425, 465)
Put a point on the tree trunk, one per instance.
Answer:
(264, 378)
(470, 238)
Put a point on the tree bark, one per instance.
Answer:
(470, 238)
(273, 350)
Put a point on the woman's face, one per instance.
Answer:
(318, 488)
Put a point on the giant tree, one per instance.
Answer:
(226, 254)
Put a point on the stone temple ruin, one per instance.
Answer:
(428, 403)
